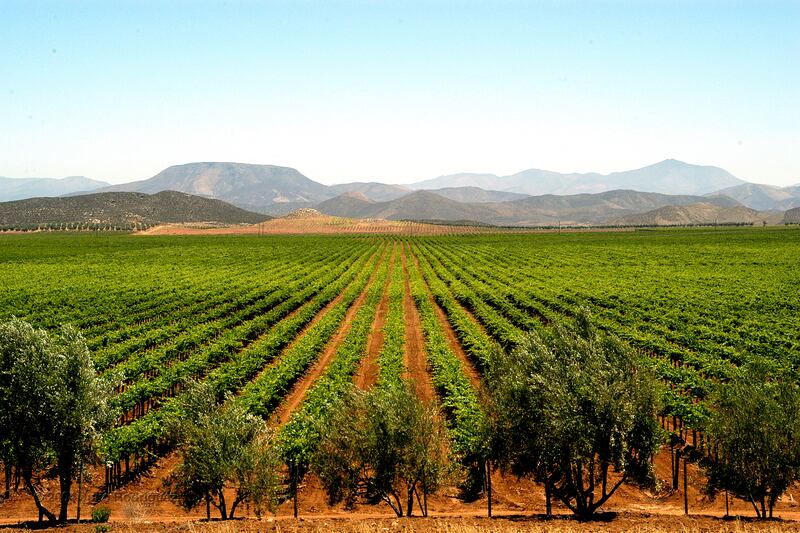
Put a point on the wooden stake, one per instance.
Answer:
(294, 487)
(80, 488)
(685, 492)
(489, 487)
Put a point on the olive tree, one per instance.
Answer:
(574, 409)
(755, 428)
(383, 445)
(53, 406)
(223, 449)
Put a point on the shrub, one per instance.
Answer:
(101, 514)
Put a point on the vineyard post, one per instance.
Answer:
(548, 502)
(424, 494)
(489, 486)
(293, 468)
(685, 493)
(676, 468)
(726, 503)
(672, 462)
(80, 488)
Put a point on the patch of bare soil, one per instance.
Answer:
(518, 505)
(623, 522)
(416, 361)
(367, 374)
(466, 311)
(316, 224)
(454, 344)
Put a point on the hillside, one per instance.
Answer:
(377, 192)
(696, 214)
(263, 188)
(667, 177)
(124, 208)
(582, 209)
(763, 197)
(21, 188)
(477, 195)
(792, 216)
(419, 205)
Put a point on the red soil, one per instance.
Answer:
(298, 392)
(416, 361)
(367, 374)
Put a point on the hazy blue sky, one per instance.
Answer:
(399, 91)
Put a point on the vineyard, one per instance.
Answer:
(282, 325)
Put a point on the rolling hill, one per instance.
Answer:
(21, 188)
(582, 209)
(377, 192)
(477, 195)
(763, 197)
(792, 216)
(262, 188)
(667, 177)
(124, 208)
(701, 213)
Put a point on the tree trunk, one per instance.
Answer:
(65, 484)
(8, 480)
(425, 501)
(758, 515)
(208, 507)
(548, 499)
(236, 503)
(397, 507)
(223, 511)
(410, 503)
(42, 510)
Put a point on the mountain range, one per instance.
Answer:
(667, 177)
(531, 197)
(546, 210)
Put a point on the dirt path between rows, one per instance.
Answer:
(367, 374)
(416, 361)
(452, 339)
(298, 393)
(467, 312)
(143, 497)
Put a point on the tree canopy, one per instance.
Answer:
(53, 406)
(384, 444)
(575, 409)
(755, 425)
(223, 448)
